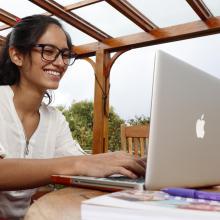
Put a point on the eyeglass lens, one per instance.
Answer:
(50, 53)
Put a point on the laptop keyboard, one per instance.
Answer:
(125, 179)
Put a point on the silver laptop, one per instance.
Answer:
(185, 126)
(184, 142)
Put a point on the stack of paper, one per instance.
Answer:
(138, 205)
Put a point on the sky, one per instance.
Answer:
(132, 73)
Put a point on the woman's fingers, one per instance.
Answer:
(142, 161)
(136, 168)
(133, 165)
(102, 165)
(125, 172)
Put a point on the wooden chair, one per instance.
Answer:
(134, 139)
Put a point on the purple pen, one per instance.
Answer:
(192, 193)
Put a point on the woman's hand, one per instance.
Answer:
(106, 164)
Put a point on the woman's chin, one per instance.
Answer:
(53, 86)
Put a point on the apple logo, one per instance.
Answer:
(200, 131)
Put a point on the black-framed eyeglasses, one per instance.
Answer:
(50, 52)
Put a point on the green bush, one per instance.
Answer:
(80, 118)
(138, 120)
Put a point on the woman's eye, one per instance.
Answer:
(49, 51)
(66, 55)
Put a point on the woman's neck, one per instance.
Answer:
(27, 101)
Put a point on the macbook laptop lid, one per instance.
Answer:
(184, 144)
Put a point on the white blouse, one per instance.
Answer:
(52, 138)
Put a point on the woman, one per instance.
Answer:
(35, 140)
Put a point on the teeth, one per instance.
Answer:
(50, 72)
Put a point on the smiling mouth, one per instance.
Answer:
(53, 73)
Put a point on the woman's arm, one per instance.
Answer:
(29, 173)
(19, 174)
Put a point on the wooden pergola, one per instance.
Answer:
(105, 45)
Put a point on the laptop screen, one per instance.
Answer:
(184, 130)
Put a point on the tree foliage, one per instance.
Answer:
(80, 118)
(139, 120)
(114, 130)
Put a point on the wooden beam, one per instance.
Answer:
(4, 27)
(81, 4)
(101, 103)
(66, 8)
(7, 18)
(158, 36)
(133, 14)
(58, 10)
(200, 8)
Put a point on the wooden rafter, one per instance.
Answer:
(7, 18)
(81, 4)
(58, 10)
(162, 35)
(66, 8)
(4, 27)
(200, 8)
(133, 14)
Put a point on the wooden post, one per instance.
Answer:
(101, 103)
(123, 138)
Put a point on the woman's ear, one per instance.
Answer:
(16, 56)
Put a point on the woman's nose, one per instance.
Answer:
(59, 60)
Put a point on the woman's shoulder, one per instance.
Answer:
(6, 93)
(50, 111)
(5, 89)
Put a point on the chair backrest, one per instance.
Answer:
(134, 139)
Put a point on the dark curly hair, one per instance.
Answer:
(24, 35)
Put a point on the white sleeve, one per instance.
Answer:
(2, 151)
(65, 145)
